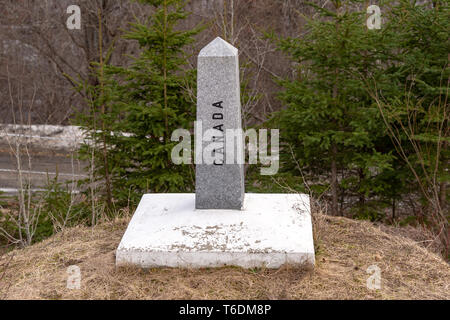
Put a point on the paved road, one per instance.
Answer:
(45, 163)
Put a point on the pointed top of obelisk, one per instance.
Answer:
(218, 48)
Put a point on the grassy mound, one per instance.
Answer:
(345, 249)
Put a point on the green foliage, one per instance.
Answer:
(49, 211)
(146, 102)
(415, 107)
(330, 118)
(416, 104)
(65, 207)
(371, 102)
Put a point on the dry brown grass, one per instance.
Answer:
(345, 249)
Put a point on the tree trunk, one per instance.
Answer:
(103, 111)
(442, 195)
(166, 121)
(362, 198)
(334, 181)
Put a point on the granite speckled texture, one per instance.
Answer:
(219, 185)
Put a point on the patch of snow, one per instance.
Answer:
(46, 136)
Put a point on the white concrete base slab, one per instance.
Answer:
(167, 231)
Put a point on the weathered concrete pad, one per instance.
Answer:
(167, 231)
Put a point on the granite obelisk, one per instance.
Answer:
(219, 179)
(214, 227)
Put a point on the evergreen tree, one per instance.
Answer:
(418, 81)
(147, 101)
(336, 133)
(96, 126)
(414, 102)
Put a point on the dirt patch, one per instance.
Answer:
(345, 250)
